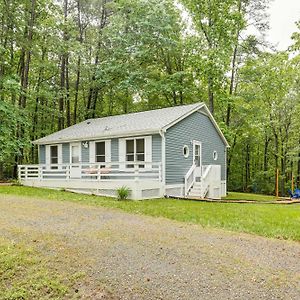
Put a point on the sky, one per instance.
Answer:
(283, 15)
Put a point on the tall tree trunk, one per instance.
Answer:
(233, 67)
(62, 94)
(210, 89)
(76, 91)
(68, 108)
(266, 146)
(64, 61)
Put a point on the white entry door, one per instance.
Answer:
(197, 159)
(75, 158)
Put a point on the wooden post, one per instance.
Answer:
(277, 186)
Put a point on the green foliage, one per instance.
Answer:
(123, 193)
(65, 61)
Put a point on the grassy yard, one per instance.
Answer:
(277, 221)
(25, 275)
(248, 196)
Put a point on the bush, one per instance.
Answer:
(123, 193)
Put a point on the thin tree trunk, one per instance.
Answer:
(76, 91)
(68, 108)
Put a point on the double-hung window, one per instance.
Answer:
(54, 156)
(100, 152)
(135, 151)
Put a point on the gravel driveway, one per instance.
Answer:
(140, 257)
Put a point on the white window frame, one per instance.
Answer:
(48, 156)
(148, 150)
(92, 145)
(215, 155)
(79, 158)
(187, 149)
(135, 153)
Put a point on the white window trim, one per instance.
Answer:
(48, 155)
(215, 153)
(75, 144)
(92, 149)
(199, 144)
(188, 151)
(148, 149)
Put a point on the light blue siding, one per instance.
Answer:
(115, 150)
(198, 127)
(42, 154)
(156, 148)
(85, 154)
(65, 153)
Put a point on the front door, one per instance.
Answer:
(75, 170)
(197, 160)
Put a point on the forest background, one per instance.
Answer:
(63, 61)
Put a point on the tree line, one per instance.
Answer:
(64, 61)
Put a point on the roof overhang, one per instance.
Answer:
(98, 137)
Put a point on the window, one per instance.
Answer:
(135, 151)
(215, 155)
(100, 152)
(186, 151)
(75, 154)
(197, 155)
(54, 154)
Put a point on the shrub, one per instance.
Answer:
(123, 193)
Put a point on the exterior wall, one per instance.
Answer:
(42, 154)
(65, 153)
(115, 150)
(156, 148)
(198, 127)
(85, 152)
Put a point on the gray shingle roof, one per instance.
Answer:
(121, 125)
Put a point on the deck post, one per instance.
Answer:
(19, 173)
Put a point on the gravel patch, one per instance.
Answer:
(126, 256)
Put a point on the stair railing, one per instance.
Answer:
(189, 179)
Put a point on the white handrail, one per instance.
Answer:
(189, 179)
(206, 171)
(205, 180)
(92, 171)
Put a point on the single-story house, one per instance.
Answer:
(177, 151)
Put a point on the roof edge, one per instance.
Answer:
(201, 105)
(102, 137)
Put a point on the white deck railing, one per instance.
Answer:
(92, 171)
(189, 179)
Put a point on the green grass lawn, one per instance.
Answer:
(277, 221)
(25, 275)
(248, 196)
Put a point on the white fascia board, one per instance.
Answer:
(102, 137)
(165, 128)
(208, 114)
(216, 126)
